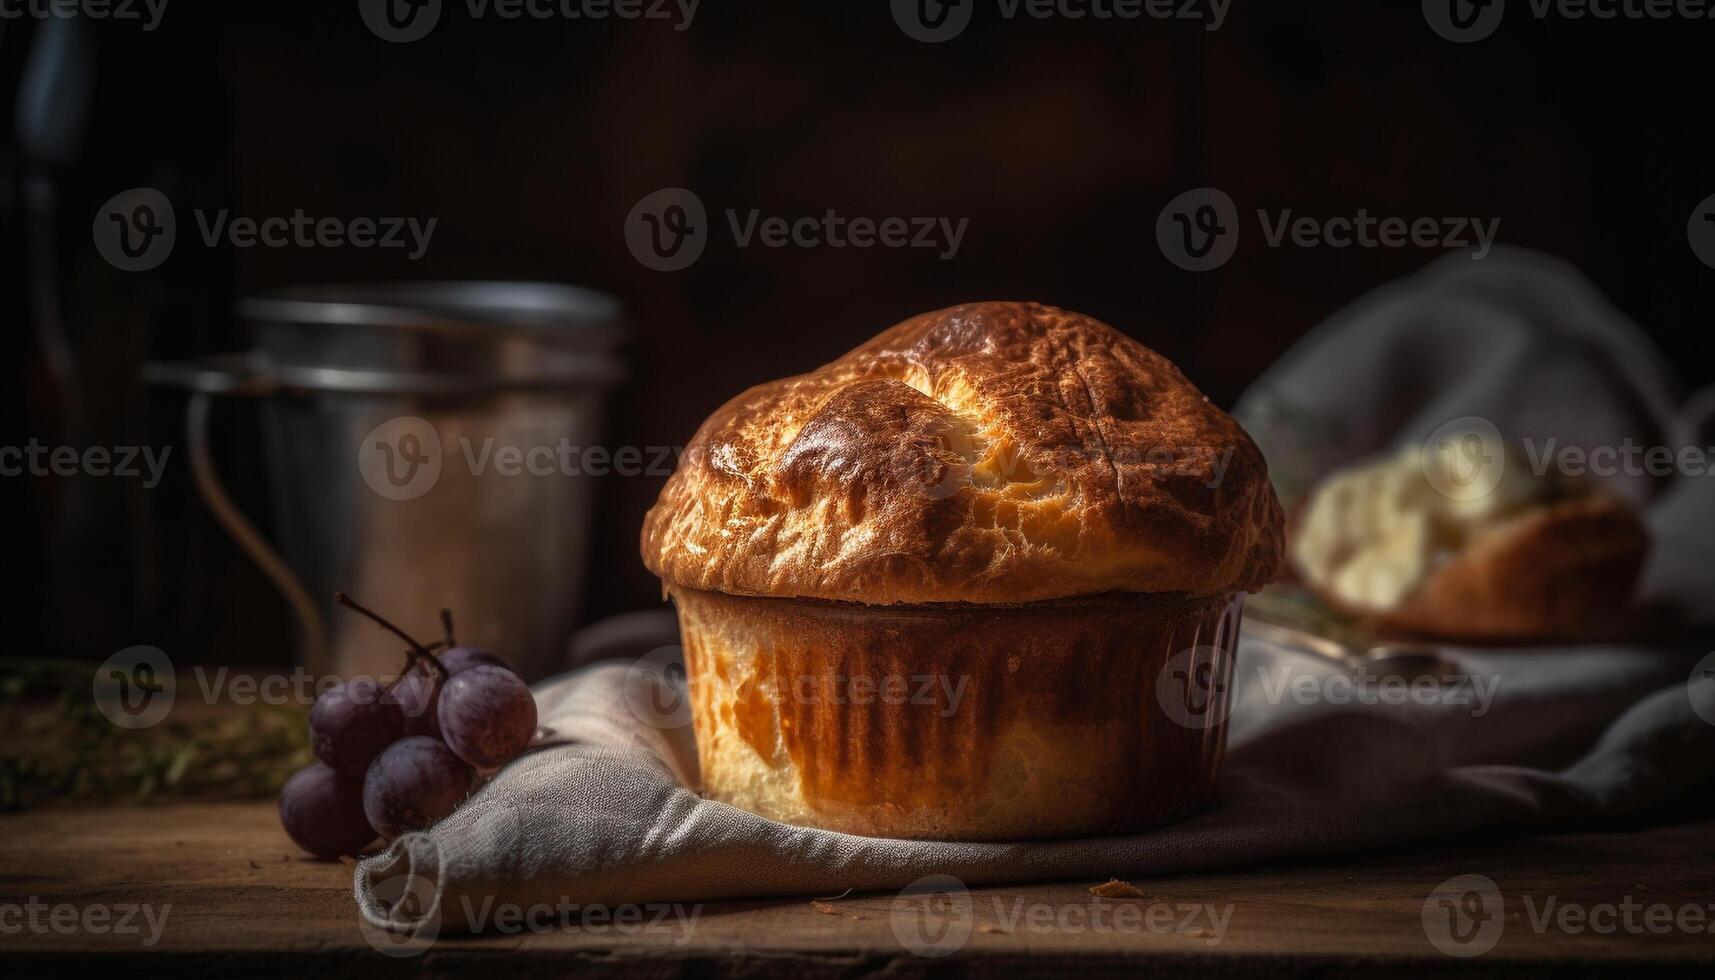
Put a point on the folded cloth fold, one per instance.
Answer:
(599, 815)
(1321, 762)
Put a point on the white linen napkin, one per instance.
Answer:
(603, 813)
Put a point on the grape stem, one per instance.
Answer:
(417, 652)
(447, 627)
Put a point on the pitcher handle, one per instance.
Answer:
(238, 375)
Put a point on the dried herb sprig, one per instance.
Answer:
(59, 748)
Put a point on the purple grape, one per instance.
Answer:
(322, 812)
(352, 722)
(457, 660)
(416, 782)
(418, 693)
(487, 716)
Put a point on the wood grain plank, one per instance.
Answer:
(233, 896)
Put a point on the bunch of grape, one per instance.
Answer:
(399, 757)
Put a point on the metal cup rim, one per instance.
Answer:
(553, 312)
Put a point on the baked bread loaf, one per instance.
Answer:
(1516, 557)
(992, 452)
(979, 578)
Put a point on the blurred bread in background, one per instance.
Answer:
(1440, 542)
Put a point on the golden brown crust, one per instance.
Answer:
(1561, 571)
(991, 452)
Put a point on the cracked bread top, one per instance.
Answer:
(985, 453)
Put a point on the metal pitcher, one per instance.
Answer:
(421, 441)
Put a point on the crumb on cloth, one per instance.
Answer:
(1115, 888)
(825, 906)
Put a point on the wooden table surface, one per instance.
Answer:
(229, 895)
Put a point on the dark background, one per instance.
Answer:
(531, 140)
